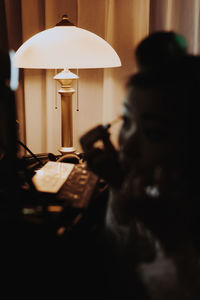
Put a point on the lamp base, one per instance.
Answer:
(70, 157)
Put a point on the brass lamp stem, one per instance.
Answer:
(66, 91)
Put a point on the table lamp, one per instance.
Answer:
(66, 46)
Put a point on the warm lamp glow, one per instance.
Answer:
(66, 46)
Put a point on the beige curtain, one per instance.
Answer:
(182, 16)
(100, 92)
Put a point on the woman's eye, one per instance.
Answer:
(126, 122)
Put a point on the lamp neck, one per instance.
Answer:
(65, 78)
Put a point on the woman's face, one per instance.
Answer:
(152, 134)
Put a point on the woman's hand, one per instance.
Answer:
(101, 156)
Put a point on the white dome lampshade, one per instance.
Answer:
(66, 46)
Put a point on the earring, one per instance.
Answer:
(152, 191)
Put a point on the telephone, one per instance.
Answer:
(66, 182)
(72, 193)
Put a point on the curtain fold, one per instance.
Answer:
(99, 92)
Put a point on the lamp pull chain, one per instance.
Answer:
(77, 92)
(56, 99)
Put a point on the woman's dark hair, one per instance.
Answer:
(159, 47)
(179, 71)
(179, 83)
